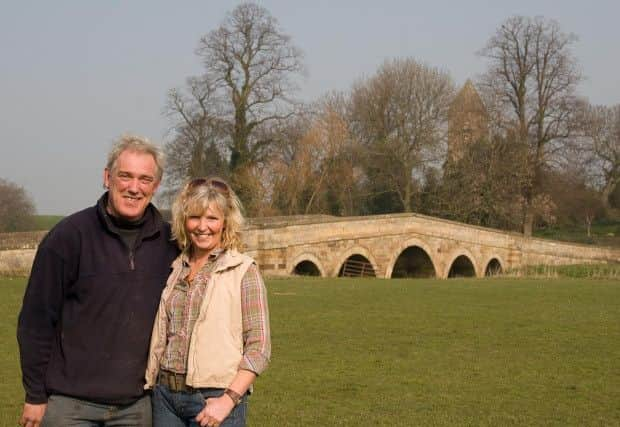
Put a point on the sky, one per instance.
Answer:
(74, 75)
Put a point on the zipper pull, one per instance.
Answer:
(132, 266)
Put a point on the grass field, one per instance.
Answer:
(604, 233)
(346, 352)
(46, 222)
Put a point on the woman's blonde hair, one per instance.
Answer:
(194, 199)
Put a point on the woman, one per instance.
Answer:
(211, 335)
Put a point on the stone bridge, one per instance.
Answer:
(402, 245)
(397, 245)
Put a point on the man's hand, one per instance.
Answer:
(32, 414)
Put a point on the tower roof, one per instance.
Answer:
(467, 99)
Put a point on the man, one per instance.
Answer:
(91, 299)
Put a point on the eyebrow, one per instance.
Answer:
(142, 176)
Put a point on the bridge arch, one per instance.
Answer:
(359, 254)
(418, 251)
(307, 264)
(493, 265)
(462, 264)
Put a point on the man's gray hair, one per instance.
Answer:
(137, 144)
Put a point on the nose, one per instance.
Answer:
(202, 226)
(133, 186)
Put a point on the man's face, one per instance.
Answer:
(131, 184)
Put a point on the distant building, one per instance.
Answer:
(468, 121)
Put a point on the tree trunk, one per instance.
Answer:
(528, 219)
(610, 186)
(196, 166)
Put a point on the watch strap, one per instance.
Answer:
(234, 396)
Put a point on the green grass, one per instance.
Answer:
(577, 271)
(46, 222)
(494, 352)
(604, 233)
(11, 392)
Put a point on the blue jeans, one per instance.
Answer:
(65, 411)
(179, 408)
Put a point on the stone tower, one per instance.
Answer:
(468, 121)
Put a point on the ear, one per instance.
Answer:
(106, 178)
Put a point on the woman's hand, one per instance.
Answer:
(215, 411)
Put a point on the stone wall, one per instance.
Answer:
(22, 240)
(17, 252)
(16, 262)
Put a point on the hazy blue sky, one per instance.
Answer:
(76, 74)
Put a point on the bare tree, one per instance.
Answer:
(532, 76)
(314, 169)
(197, 145)
(483, 186)
(289, 166)
(601, 128)
(16, 208)
(250, 66)
(578, 204)
(399, 115)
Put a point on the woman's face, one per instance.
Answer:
(205, 231)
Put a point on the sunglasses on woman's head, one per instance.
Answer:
(221, 186)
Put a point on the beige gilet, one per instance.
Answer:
(216, 344)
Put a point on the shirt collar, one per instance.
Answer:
(213, 256)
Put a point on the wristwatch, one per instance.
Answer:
(236, 397)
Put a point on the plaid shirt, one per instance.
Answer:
(183, 309)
